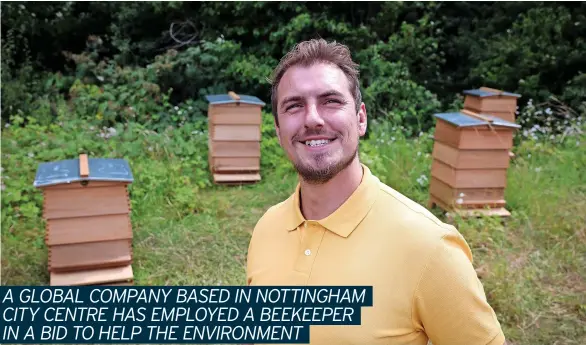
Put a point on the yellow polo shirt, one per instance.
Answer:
(424, 284)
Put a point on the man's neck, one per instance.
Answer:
(320, 200)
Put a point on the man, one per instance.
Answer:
(342, 226)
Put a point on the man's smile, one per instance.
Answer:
(317, 143)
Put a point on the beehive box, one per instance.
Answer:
(470, 162)
(86, 209)
(493, 102)
(234, 129)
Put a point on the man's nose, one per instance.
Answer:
(313, 117)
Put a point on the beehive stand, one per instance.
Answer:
(234, 128)
(493, 102)
(86, 208)
(470, 162)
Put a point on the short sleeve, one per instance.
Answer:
(450, 305)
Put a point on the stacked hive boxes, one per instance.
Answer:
(493, 102)
(87, 213)
(234, 128)
(470, 162)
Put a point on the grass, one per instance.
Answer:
(532, 265)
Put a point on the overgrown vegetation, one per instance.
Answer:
(107, 79)
(415, 57)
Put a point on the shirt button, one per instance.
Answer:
(307, 252)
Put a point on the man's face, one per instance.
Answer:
(319, 127)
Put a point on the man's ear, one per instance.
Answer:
(277, 131)
(362, 120)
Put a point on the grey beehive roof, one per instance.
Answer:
(484, 93)
(226, 99)
(67, 171)
(462, 120)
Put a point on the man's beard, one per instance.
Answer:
(324, 174)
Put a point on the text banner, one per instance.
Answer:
(163, 314)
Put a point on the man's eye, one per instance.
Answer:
(332, 101)
(291, 107)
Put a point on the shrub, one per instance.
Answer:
(172, 163)
(392, 96)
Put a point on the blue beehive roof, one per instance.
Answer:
(462, 120)
(67, 171)
(485, 93)
(226, 99)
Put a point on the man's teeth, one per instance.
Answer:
(317, 142)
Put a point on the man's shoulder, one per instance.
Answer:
(276, 210)
(418, 227)
(404, 212)
(274, 214)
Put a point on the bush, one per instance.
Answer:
(536, 49)
(391, 95)
(172, 163)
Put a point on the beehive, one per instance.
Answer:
(86, 209)
(470, 162)
(234, 136)
(493, 102)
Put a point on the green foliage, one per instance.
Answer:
(172, 163)
(538, 48)
(413, 53)
(391, 95)
(401, 162)
(212, 67)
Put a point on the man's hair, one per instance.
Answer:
(314, 51)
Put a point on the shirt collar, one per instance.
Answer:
(347, 217)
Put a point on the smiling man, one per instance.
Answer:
(343, 226)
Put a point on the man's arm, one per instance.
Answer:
(450, 305)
